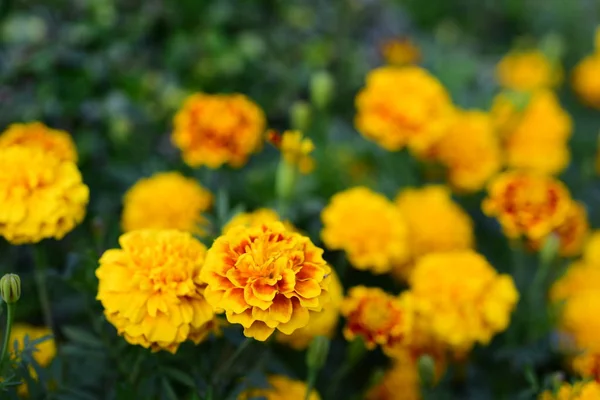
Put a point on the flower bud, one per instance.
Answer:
(550, 249)
(300, 115)
(10, 288)
(426, 367)
(321, 89)
(317, 353)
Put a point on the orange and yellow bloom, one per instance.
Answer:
(586, 76)
(528, 70)
(151, 289)
(578, 391)
(36, 134)
(266, 278)
(281, 388)
(295, 149)
(214, 130)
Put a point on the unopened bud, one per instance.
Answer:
(300, 115)
(321, 89)
(317, 353)
(549, 249)
(10, 288)
(426, 367)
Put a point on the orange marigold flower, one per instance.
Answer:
(534, 137)
(586, 80)
(462, 298)
(266, 278)
(320, 324)
(528, 70)
(151, 289)
(213, 130)
(377, 240)
(36, 134)
(281, 388)
(589, 390)
(376, 316)
(591, 250)
(295, 149)
(256, 218)
(41, 196)
(435, 224)
(470, 150)
(400, 52)
(166, 200)
(572, 233)
(403, 106)
(527, 203)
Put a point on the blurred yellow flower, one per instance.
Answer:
(586, 80)
(368, 227)
(470, 150)
(295, 149)
(435, 224)
(572, 233)
(400, 382)
(403, 106)
(213, 130)
(535, 137)
(527, 204)
(151, 289)
(591, 250)
(281, 388)
(320, 324)
(377, 317)
(35, 134)
(266, 278)
(578, 391)
(41, 196)
(400, 52)
(166, 200)
(256, 218)
(528, 70)
(462, 298)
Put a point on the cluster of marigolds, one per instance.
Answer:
(163, 286)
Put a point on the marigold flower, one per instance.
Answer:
(400, 382)
(527, 203)
(462, 298)
(578, 391)
(572, 233)
(403, 106)
(256, 218)
(266, 278)
(166, 200)
(320, 324)
(295, 149)
(435, 224)
(535, 137)
(151, 289)
(470, 150)
(376, 316)
(36, 134)
(586, 80)
(282, 388)
(41, 196)
(213, 130)
(378, 234)
(528, 70)
(400, 52)
(591, 250)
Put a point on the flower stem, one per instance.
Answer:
(310, 384)
(10, 308)
(40, 282)
(229, 362)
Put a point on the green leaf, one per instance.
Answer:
(179, 376)
(80, 336)
(168, 390)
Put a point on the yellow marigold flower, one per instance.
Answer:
(282, 388)
(528, 71)
(527, 204)
(403, 106)
(36, 134)
(41, 196)
(400, 52)
(151, 289)
(400, 382)
(572, 233)
(535, 137)
(470, 150)
(578, 391)
(166, 200)
(320, 324)
(213, 130)
(586, 80)
(266, 278)
(377, 317)
(581, 276)
(462, 298)
(368, 227)
(591, 250)
(295, 149)
(586, 364)
(435, 224)
(256, 218)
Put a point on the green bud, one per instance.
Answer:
(300, 115)
(553, 47)
(321, 89)
(316, 355)
(426, 367)
(10, 288)
(549, 249)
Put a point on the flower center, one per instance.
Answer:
(376, 314)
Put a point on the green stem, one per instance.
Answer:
(310, 384)
(40, 282)
(285, 181)
(229, 362)
(9, 321)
